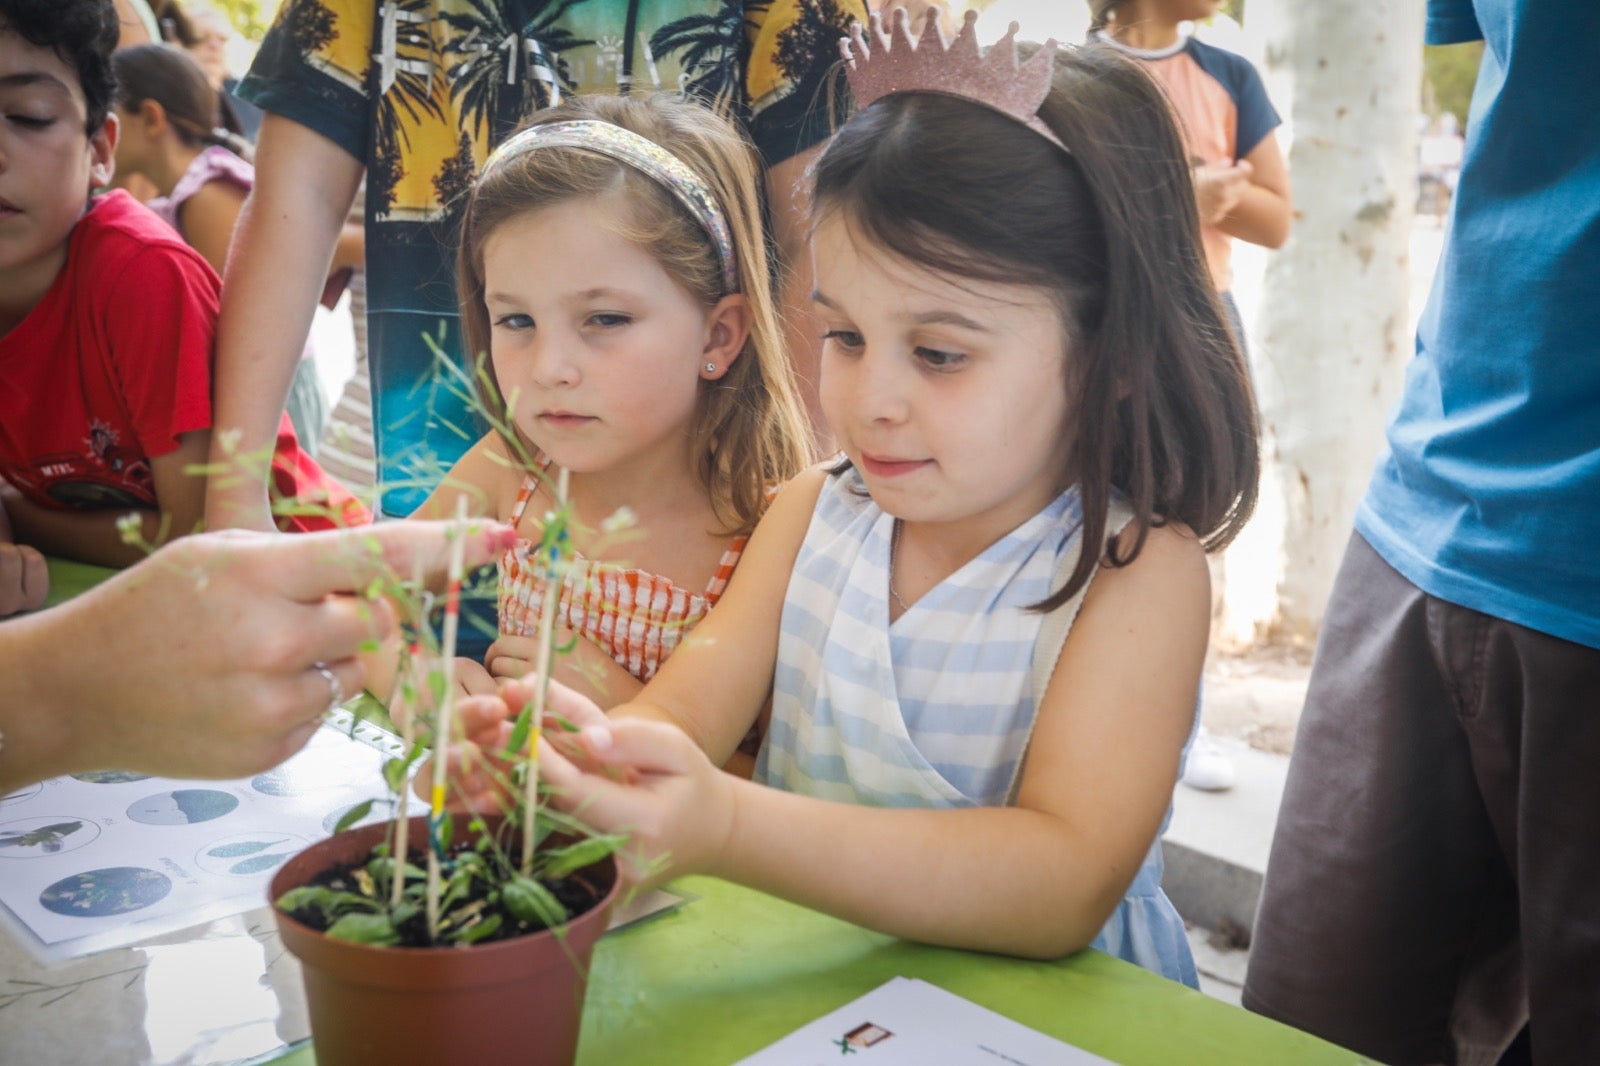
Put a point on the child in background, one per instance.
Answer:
(612, 269)
(169, 114)
(106, 317)
(170, 134)
(982, 634)
(1241, 183)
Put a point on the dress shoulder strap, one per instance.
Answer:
(530, 485)
(1057, 624)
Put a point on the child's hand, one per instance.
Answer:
(511, 656)
(471, 679)
(564, 706)
(483, 727)
(24, 578)
(677, 807)
(1218, 188)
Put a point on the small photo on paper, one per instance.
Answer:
(865, 1035)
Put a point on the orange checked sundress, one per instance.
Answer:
(637, 617)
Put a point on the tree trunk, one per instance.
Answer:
(1332, 332)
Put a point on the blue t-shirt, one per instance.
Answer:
(1488, 494)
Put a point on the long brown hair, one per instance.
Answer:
(749, 427)
(1162, 403)
(172, 78)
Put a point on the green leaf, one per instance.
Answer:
(394, 774)
(380, 868)
(478, 931)
(531, 903)
(456, 889)
(306, 896)
(365, 929)
(356, 813)
(559, 862)
(328, 902)
(519, 732)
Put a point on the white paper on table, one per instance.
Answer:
(99, 861)
(907, 1022)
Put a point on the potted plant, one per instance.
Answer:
(451, 938)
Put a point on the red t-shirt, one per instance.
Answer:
(114, 363)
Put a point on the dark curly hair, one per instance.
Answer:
(82, 32)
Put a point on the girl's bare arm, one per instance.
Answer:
(1038, 879)
(717, 681)
(1264, 209)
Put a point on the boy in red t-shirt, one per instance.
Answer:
(107, 323)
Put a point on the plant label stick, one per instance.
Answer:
(407, 732)
(447, 701)
(552, 593)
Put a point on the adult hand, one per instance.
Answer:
(1218, 187)
(207, 659)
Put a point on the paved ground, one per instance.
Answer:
(1221, 965)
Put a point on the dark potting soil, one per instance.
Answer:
(576, 892)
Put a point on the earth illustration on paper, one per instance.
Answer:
(110, 777)
(109, 891)
(183, 806)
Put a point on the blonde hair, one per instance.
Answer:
(749, 427)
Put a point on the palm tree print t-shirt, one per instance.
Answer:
(422, 90)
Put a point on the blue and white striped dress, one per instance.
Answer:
(936, 709)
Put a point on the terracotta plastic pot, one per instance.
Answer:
(510, 1001)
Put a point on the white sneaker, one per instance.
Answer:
(1208, 768)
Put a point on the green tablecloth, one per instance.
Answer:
(735, 970)
(68, 579)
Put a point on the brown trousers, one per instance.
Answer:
(1434, 879)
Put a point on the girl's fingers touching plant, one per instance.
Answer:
(511, 656)
(563, 706)
(472, 784)
(675, 805)
(483, 720)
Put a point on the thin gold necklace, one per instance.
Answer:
(894, 551)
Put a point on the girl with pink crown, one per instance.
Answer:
(981, 632)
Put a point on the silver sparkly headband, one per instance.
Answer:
(643, 155)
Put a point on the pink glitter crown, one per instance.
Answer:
(878, 64)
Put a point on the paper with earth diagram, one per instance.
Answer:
(101, 860)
